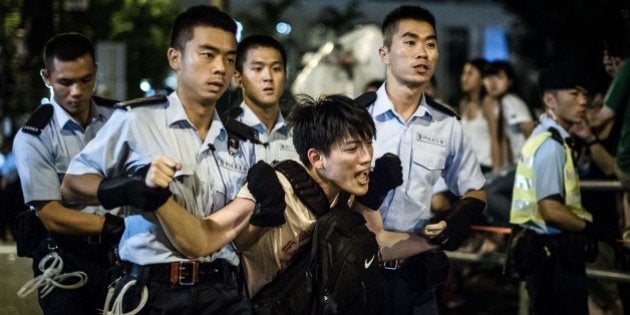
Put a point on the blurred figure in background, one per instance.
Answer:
(511, 124)
(596, 149)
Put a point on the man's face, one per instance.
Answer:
(348, 165)
(263, 77)
(611, 63)
(72, 83)
(413, 54)
(497, 84)
(206, 65)
(470, 78)
(568, 105)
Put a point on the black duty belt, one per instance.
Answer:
(192, 272)
(74, 239)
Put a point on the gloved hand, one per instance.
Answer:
(264, 185)
(113, 228)
(387, 175)
(458, 222)
(123, 191)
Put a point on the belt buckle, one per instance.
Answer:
(185, 272)
(391, 264)
(94, 239)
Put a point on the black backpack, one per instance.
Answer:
(337, 274)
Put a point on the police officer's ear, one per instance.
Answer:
(174, 57)
(316, 158)
(238, 79)
(384, 54)
(549, 100)
(45, 76)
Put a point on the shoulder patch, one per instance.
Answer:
(38, 119)
(366, 99)
(242, 130)
(106, 102)
(143, 101)
(441, 107)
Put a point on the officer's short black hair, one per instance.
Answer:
(67, 47)
(405, 12)
(324, 122)
(255, 41)
(200, 15)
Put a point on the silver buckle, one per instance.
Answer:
(187, 272)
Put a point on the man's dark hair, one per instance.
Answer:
(67, 47)
(200, 15)
(405, 12)
(255, 41)
(322, 123)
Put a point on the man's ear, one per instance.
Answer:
(549, 100)
(383, 53)
(238, 78)
(174, 57)
(315, 158)
(44, 74)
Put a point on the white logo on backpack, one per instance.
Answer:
(368, 263)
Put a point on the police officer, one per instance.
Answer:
(185, 129)
(546, 201)
(80, 236)
(429, 140)
(261, 73)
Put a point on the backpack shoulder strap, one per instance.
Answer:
(307, 190)
(38, 120)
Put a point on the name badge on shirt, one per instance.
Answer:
(232, 165)
(286, 147)
(435, 140)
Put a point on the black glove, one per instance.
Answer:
(131, 191)
(458, 222)
(264, 185)
(387, 175)
(113, 228)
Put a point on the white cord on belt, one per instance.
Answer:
(117, 307)
(51, 277)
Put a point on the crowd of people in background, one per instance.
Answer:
(455, 159)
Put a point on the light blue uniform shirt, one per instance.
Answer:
(210, 177)
(42, 160)
(278, 144)
(431, 144)
(549, 161)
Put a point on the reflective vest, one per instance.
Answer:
(524, 210)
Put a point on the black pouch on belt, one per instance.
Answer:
(426, 270)
(29, 233)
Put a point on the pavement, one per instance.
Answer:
(15, 272)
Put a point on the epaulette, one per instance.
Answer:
(366, 99)
(143, 101)
(237, 130)
(105, 102)
(306, 189)
(555, 135)
(38, 120)
(441, 107)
